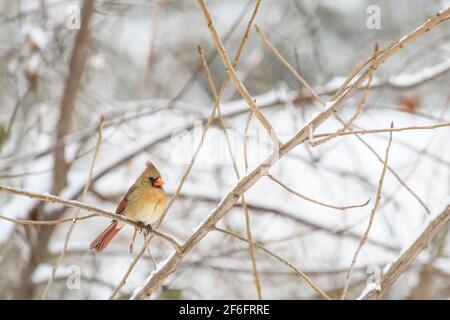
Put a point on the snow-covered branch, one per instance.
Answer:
(398, 267)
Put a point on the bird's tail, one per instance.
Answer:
(102, 241)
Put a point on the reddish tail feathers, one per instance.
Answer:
(102, 241)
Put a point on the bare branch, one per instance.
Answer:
(233, 77)
(46, 222)
(273, 254)
(236, 170)
(372, 217)
(313, 200)
(83, 197)
(409, 254)
(366, 131)
(82, 206)
(288, 66)
(359, 106)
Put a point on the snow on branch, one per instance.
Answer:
(436, 223)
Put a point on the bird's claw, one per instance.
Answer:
(140, 226)
(147, 230)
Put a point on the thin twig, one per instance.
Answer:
(288, 66)
(77, 204)
(395, 174)
(366, 131)
(276, 256)
(371, 219)
(236, 170)
(247, 216)
(357, 70)
(46, 222)
(316, 201)
(151, 257)
(130, 268)
(72, 226)
(133, 238)
(363, 99)
(234, 78)
(247, 125)
(359, 106)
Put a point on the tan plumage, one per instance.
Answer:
(144, 202)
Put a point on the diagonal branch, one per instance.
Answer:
(236, 170)
(371, 219)
(234, 78)
(409, 255)
(276, 256)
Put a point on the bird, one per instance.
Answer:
(144, 203)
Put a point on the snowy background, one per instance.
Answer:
(143, 54)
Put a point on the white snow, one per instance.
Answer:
(159, 265)
(409, 79)
(372, 286)
(329, 104)
(36, 34)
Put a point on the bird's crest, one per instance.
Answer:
(151, 170)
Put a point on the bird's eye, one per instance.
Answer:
(152, 180)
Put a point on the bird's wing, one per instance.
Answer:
(121, 207)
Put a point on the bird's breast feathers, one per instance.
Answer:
(146, 205)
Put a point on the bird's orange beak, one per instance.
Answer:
(159, 182)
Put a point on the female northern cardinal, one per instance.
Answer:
(144, 202)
